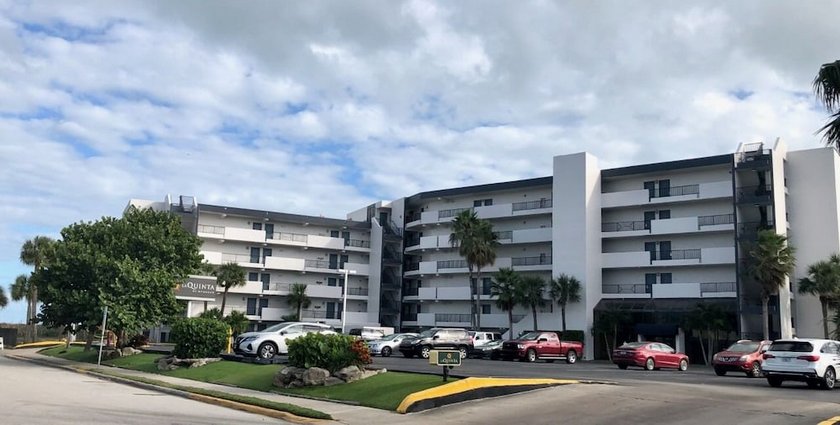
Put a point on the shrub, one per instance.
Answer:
(213, 313)
(138, 341)
(237, 321)
(573, 336)
(199, 337)
(330, 352)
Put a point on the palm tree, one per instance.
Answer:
(23, 289)
(237, 321)
(607, 323)
(708, 320)
(229, 275)
(563, 290)
(35, 252)
(827, 89)
(477, 244)
(4, 301)
(505, 288)
(823, 281)
(297, 297)
(531, 294)
(770, 261)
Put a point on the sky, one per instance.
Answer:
(323, 107)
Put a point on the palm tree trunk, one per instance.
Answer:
(224, 300)
(765, 316)
(563, 315)
(472, 297)
(477, 299)
(299, 310)
(824, 305)
(27, 329)
(89, 339)
(510, 324)
(607, 343)
(34, 313)
(534, 312)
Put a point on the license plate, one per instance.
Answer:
(786, 359)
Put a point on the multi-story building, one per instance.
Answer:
(652, 240)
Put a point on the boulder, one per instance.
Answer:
(128, 351)
(198, 363)
(112, 354)
(295, 384)
(349, 374)
(332, 380)
(163, 364)
(286, 375)
(315, 376)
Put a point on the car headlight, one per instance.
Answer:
(715, 357)
(744, 358)
(249, 339)
(520, 346)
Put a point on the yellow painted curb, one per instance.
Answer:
(469, 384)
(830, 421)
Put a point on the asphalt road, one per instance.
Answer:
(36, 394)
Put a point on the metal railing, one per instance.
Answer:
(412, 217)
(321, 314)
(532, 205)
(452, 212)
(625, 288)
(413, 241)
(216, 230)
(711, 220)
(625, 226)
(753, 159)
(504, 235)
(277, 287)
(542, 260)
(357, 243)
(357, 291)
(689, 189)
(454, 318)
(289, 237)
(241, 258)
(452, 264)
(319, 264)
(391, 229)
(675, 254)
(717, 287)
(759, 193)
(749, 230)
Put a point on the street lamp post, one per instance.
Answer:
(347, 273)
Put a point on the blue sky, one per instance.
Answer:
(323, 107)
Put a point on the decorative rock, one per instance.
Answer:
(198, 363)
(286, 375)
(295, 384)
(332, 381)
(315, 376)
(349, 374)
(163, 364)
(128, 351)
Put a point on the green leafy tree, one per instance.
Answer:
(230, 275)
(708, 320)
(477, 244)
(823, 281)
(213, 313)
(606, 323)
(827, 89)
(237, 321)
(531, 290)
(564, 290)
(770, 261)
(297, 298)
(505, 288)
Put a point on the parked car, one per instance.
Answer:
(491, 350)
(541, 345)
(267, 343)
(437, 339)
(814, 361)
(481, 338)
(371, 333)
(649, 355)
(385, 346)
(743, 356)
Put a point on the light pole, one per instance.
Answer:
(347, 273)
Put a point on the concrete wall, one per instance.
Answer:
(780, 204)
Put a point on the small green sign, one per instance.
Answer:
(445, 358)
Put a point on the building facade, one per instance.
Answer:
(652, 241)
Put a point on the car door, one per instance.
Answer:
(553, 347)
(660, 355)
(288, 334)
(831, 351)
(671, 354)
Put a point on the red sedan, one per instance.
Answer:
(649, 355)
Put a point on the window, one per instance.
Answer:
(251, 307)
(331, 281)
(651, 188)
(482, 202)
(485, 309)
(255, 255)
(263, 304)
(256, 226)
(265, 278)
(665, 250)
(664, 214)
(486, 286)
(253, 277)
(649, 216)
(665, 278)
(343, 259)
(650, 280)
(266, 253)
(269, 231)
(296, 329)
(664, 188)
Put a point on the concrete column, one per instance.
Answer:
(680, 344)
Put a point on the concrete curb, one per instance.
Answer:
(276, 414)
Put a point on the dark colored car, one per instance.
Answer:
(491, 350)
(649, 355)
(542, 345)
(743, 356)
(437, 339)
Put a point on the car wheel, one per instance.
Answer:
(622, 366)
(774, 381)
(571, 357)
(267, 350)
(683, 365)
(720, 372)
(386, 352)
(463, 351)
(425, 352)
(650, 364)
(829, 379)
(755, 371)
(531, 356)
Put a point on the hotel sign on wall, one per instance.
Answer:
(196, 287)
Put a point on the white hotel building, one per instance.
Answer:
(652, 240)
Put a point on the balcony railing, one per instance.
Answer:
(289, 237)
(409, 317)
(357, 291)
(711, 220)
(319, 264)
(411, 292)
(625, 226)
(754, 159)
(216, 230)
(755, 194)
(412, 267)
(542, 260)
(626, 288)
(456, 318)
(452, 264)
(451, 212)
(748, 231)
(357, 243)
(241, 258)
(689, 189)
(276, 287)
(675, 254)
(532, 205)
(321, 314)
(717, 287)
(505, 235)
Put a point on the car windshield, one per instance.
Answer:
(389, 337)
(531, 335)
(744, 347)
(428, 333)
(794, 346)
(633, 345)
(275, 328)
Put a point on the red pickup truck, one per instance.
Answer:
(542, 345)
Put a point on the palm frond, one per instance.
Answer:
(827, 85)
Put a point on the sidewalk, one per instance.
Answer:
(341, 413)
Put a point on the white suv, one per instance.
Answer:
(814, 361)
(267, 343)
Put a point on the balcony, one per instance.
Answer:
(357, 292)
(542, 206)
(451, 213)
(410, 292)
(541, 262)
(670, 290)
(320, 314)
(532, 205)
(626, 290)
(356, 317)
(756, 195)
(759, 159)
(690, 192)
(285, 238)
(452, 264)
(409, 317)
(274, 314)
(674, 257)
(452, 319)
(356, 245)
(219, 258)
(324, 291)
(706, 223)
(277, 289)
(458, 293)
(250, 287)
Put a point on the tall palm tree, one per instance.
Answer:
(531, 294)
(564, 290)
(827, 89)
(477, 244)
(4, 301)
(35, 252)
(770, 261)
(297, 297)
(23, 289)
(506, 290)
(823, 281)
(229, 275)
